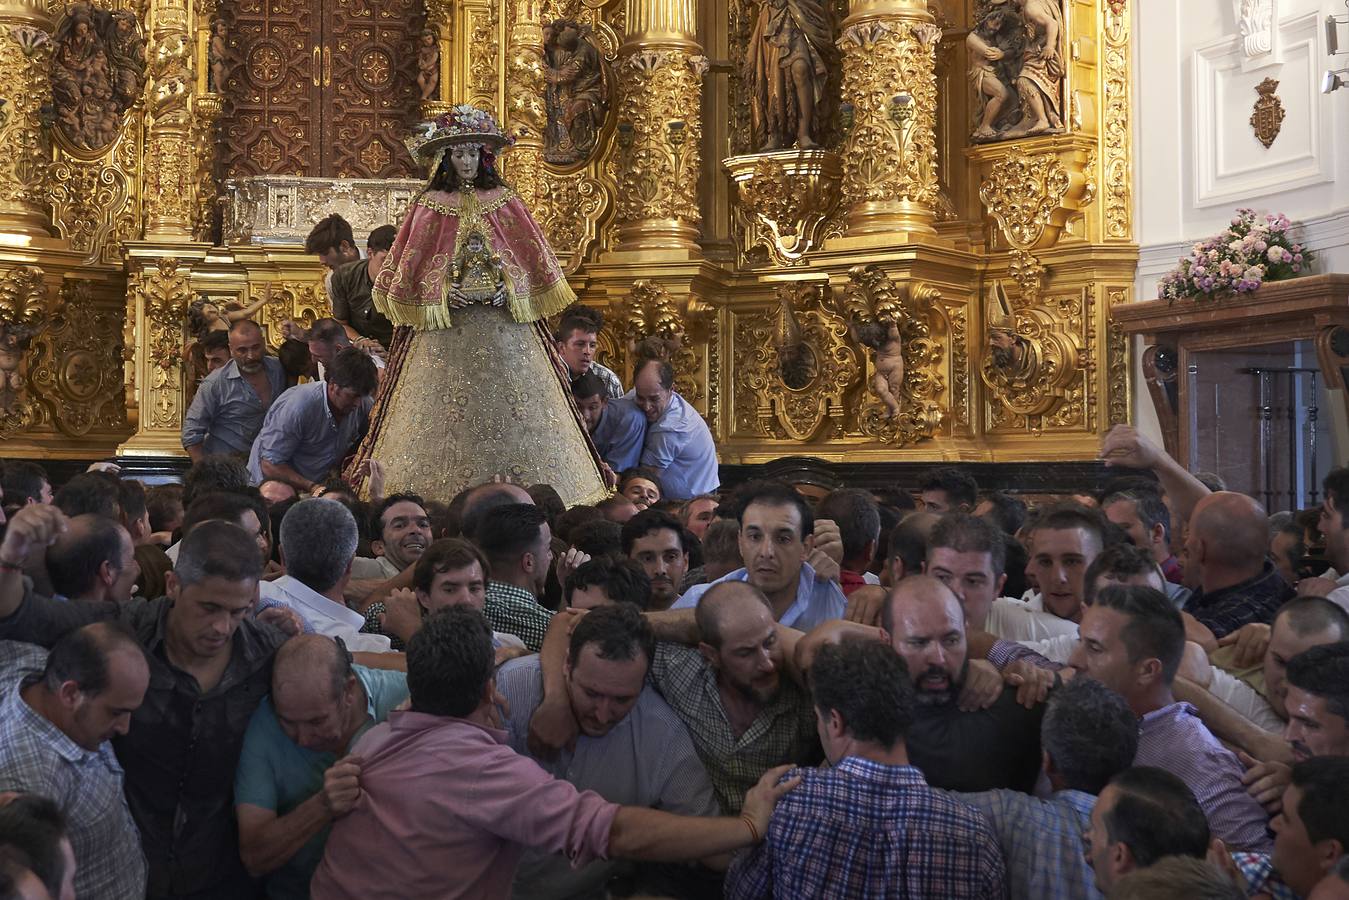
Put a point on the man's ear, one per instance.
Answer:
(1158, 533)
(709, 654)
(529, 562)
(69, 694)
(106, 573)
(834, 725)
(1148, 671)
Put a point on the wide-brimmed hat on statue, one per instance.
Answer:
(463, 124)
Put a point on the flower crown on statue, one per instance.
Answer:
(464, 124)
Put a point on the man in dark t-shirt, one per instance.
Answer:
(351, 287)
(997, 747)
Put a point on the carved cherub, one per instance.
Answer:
(875, 312)
(477, 274)
(428, 65)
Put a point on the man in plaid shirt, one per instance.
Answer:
(55, 727)
(870, 827)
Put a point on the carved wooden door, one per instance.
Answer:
(323, 88)
(273, 114)
(373, 88)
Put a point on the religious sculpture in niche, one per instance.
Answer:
(216, 54)
(428, 65)
(797, 364)
(786, 72)
(1017, 68)
(576, 96)
(1031, 357)
(98, 73)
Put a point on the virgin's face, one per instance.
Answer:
(465, 161)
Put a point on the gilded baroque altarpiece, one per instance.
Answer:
(839, 258)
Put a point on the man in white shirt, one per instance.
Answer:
(1063, 542)
(318, 543)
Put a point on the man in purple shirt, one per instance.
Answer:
(446, 807)
(1131, 640)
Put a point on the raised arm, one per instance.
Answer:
(1124, 446)
(32, 529)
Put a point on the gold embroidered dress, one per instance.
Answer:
(476, 391)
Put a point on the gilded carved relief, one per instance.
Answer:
(76, 365)
(163, 293)
(802, 376)
(23, 315)
(87, 200)
(801, 373)
(24, 56)
(97, 74)
(302, 302)
(789, 203)
(651, 321)
(889, 114)
(1117, 136)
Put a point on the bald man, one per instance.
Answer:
(733, 693)
(227, 412)
(93, 560)
(1227, 551)
(486, 497)
(296, 773)
(997, 747)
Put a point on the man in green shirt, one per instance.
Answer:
(351, 284)
(296, 774)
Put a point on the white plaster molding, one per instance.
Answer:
(1221, 109)
(1257, 23)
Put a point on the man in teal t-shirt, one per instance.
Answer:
(295, 773)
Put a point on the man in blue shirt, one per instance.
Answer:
(617, 426)
(227, 412)
(296, 774)
(678, 445)
(776, 535)
(1089, 736)
(312, 426)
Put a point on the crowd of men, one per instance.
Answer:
(257, 684)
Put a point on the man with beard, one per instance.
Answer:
(227, 412)
(743, 716)
(401, 532)
(655, 540)
(997, 747)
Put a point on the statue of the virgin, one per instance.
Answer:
(473, 387)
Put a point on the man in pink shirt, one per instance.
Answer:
(445, 807)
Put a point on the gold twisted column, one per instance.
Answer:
(889, 111)
(25, 50)
(525, 115)
(170, 170)
(660, 78)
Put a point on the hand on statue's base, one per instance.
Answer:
(455, 299)
(499, 298)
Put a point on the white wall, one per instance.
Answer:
(1196, 154)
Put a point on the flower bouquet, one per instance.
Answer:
(1254, 249)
